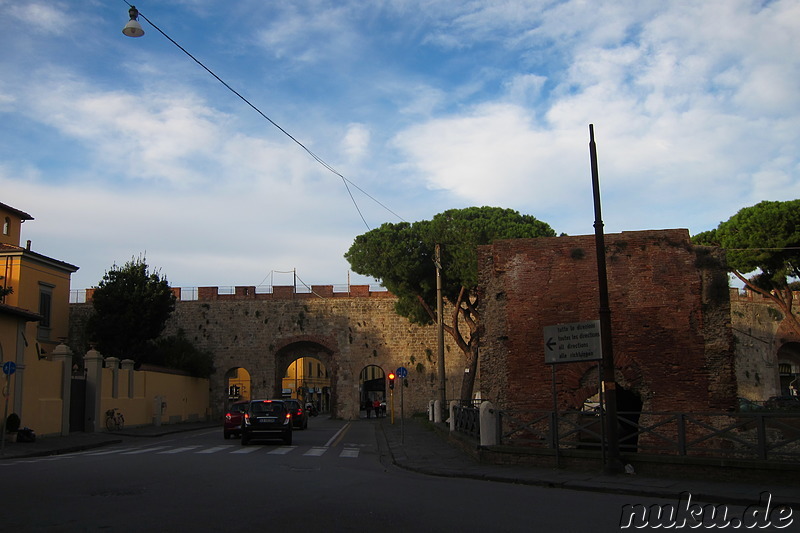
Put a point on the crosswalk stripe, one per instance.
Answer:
(144, 450)
(216, 449)
(245, 450)
(283, 450)
(350, 453)
(179, 450)
(316, 451)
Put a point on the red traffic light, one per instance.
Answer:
(391, 380)
(391, 375)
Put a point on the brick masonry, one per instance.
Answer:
(670, 314)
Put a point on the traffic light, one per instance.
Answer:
(391, 380)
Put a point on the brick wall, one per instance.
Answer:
(670, 314)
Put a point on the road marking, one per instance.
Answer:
(144, 450)
(283, 450)
(216, 449)
(179, 450)
(246, 450)
(316, 451)
(339, 436)
(350, 453)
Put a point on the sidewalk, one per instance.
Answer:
(420, 446)
(76, 442)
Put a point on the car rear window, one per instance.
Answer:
(266, 408)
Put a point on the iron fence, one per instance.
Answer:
(750, 435)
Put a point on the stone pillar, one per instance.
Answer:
(488, 424)
(93, 362)
(452, 414)
(437, 411)
(113, 364)
(127, 364)
(63, 353)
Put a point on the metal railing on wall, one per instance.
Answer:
(754, 435)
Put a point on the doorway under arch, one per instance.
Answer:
(372, 388)
(237, 385)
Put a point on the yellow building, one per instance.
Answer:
(34, 318)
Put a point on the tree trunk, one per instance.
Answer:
(470, 374)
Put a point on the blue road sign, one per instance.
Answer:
(402, 372)
(9, 367)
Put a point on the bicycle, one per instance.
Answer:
(115, 421)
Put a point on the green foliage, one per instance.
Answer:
(401, 255)
(764, 238)
(5, 290)
(178, 352)
(131, 306)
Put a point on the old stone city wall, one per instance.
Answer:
(670, 314)
(264, 333)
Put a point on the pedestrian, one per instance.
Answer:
(376, 406)
(368, 407)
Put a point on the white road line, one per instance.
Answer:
(316, 451)
(180, 450)
(251, 449)
(351, 453)
(145, 450)
(283, 450)
(216, 449)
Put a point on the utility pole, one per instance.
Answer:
(614, 464)
(437, 260)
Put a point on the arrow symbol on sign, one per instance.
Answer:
(550, 343)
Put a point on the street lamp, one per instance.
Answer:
(133, 28)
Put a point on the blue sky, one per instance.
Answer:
(120, 147)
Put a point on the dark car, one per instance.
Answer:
(232, 425)
(299, 415)
(267, 419)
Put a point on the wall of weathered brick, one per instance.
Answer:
(265, 333)
(670, 315)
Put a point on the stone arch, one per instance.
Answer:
(307, 346)
(372, 385)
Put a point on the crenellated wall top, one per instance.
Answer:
(274, 292)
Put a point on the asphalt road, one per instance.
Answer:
(334, 477)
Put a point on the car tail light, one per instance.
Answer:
(228, 417)
(288, 415)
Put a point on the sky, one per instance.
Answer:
(362, 113)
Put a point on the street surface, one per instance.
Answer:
(333, 477)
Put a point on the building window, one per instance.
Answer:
(7, 226)
(45, 309)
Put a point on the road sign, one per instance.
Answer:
(9, 367)
(573, 343)
(402, 372)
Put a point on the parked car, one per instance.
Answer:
(299, 415)
(266, 419)
(232, 425)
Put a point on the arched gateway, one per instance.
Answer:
(313, 345)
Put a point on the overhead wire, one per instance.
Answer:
(347, 183)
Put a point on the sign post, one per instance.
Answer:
(402, 373)
(9, 367)
(573, 343)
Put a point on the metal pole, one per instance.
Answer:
(614, 464)
(555, 415)
(440, 326)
